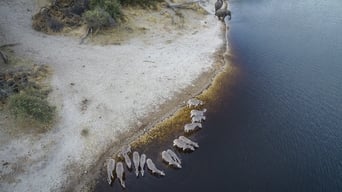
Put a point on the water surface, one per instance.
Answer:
(279, 126)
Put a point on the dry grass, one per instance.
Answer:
(26, 102)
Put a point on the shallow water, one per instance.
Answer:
(279, 126)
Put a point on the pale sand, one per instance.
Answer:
(129, 88)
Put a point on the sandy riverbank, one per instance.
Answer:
(128, 88)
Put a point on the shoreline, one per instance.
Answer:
(126, 95)
(203, 88)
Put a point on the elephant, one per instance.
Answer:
(218, 5)
(222, 13)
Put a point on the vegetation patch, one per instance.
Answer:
(98, 18)
(112, 7)
(142, 3)
(24, 93)
(60, 14)
(31, 106)
(96, 14)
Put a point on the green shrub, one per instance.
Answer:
(143, 3)
(39, 92)
(95, 3)
(113, 7)
(105, 13)
(27, 106)
(97, 18)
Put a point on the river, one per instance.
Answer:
(278, 127)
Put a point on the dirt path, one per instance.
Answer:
(101, 92)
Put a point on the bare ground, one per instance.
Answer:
(107, 92)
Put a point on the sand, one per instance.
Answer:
(127, 88)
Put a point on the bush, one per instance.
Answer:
(28, 106)
(105, 13)
(97, 18)
(143, 3)
(113, 7)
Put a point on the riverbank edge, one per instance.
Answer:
(69, 173)
(204, 86)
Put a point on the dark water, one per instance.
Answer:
(279, 126)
